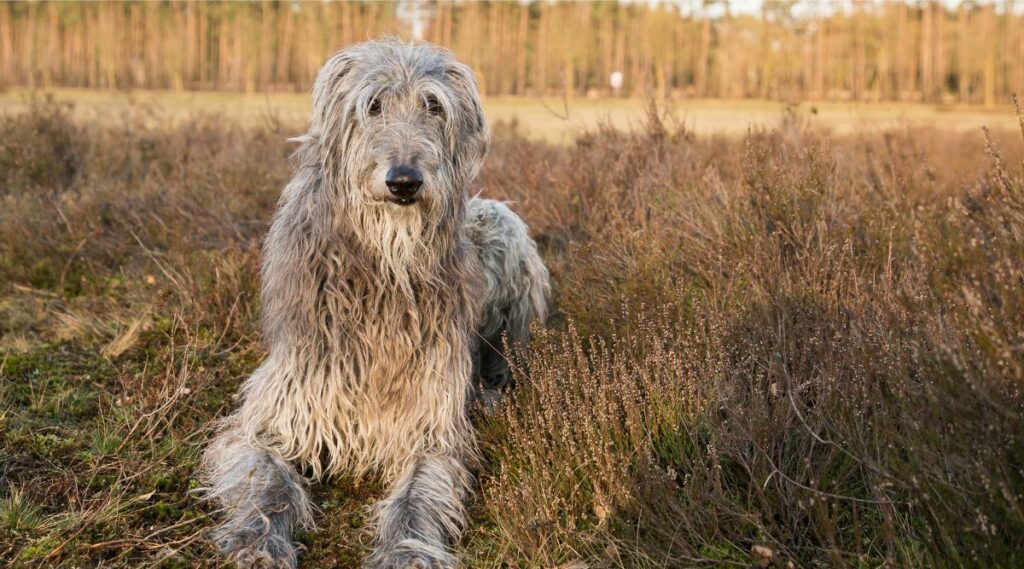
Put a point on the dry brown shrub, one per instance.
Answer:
(843, 319)
(790, 344)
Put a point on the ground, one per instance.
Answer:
(797, 343)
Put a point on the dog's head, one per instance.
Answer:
(398, 134)
(399, 126)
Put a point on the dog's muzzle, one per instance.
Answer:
(404, 184)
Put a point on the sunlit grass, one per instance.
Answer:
(549, 119)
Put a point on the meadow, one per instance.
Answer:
(787, 346)
(556, 120)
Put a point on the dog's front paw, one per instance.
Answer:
(411, 554)
(255, 550)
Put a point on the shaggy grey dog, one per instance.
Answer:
(386, 290)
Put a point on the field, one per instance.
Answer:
(547, 119)
(797, 344)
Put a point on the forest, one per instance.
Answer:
(971, 53)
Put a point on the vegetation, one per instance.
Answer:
(896, 51)
(787, 349)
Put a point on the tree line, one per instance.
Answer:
(890, 51)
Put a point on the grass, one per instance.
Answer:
(17, 514)
(548, 119)
(791, 347)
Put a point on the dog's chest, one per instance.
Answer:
(392, 345)
(400, 374)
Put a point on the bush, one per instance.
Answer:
(787, 348)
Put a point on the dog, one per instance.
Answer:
(388, 294)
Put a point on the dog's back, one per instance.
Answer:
(516, 287)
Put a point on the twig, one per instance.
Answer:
(565, 103)
(30, 290)
(71, 258)
(167, 272)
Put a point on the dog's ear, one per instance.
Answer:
(329, 90)
(471, 138)
(462, 79)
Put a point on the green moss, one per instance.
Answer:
(163, 512)
(38, 549)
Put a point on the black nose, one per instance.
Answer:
(403, 181)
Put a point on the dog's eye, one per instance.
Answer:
(434, 106)
(374, 109)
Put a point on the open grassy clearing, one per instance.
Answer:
(549, 119)
(783, 347)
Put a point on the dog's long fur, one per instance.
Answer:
(377, 316)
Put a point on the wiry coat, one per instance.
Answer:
(376, 314)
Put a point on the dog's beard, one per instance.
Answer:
(407, 243)
(400, 242)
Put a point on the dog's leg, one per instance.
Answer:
(264, 499)
(422, 516)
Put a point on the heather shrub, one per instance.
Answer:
(795, 361)
(788, 348)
